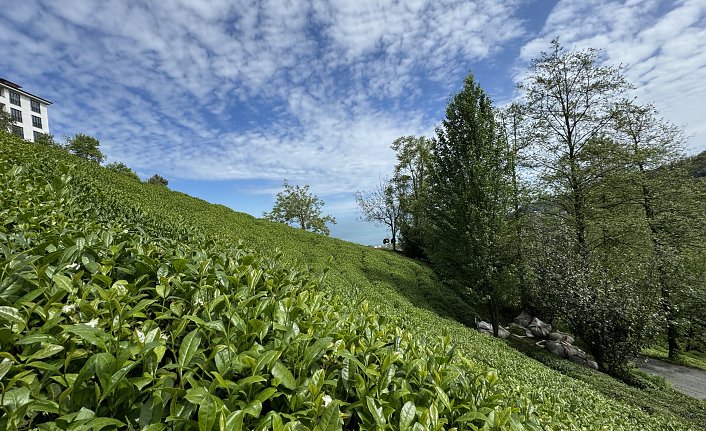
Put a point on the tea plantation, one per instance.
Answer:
(128, 306)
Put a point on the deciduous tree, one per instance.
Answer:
(85, 146)
(671, 202)
(296, 206)
(381, 206)
(46, 139)
(411, 180)
(570, 99)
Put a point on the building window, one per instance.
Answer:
(36, 121)
(37, 135)
(16, 115)
(2, 91)
(15, 98)
(17, 130)
(2, 106)
(35, 106)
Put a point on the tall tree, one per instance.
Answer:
(381, 205)
(570, 97)
(295, 205)
(411, 180)
(470, 233)
(671, 201)
(590, 250)
(514, 128)
(85, 146)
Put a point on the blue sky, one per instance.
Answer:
(226, 99)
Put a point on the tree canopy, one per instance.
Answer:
(297, 207)
(381, 206)
(158, 180)
(85, 146)
(122, 168)
(470, 236)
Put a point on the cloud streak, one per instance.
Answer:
(240, 90)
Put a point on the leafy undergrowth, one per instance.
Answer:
(130, 306)
(688, 359)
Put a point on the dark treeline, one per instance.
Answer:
(574, 203)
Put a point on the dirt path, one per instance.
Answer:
(687, 380)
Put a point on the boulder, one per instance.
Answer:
(487, 328)
(560, 336)
(519, 330)
(561, 348)
(484, 326)
(539, 329)
(584, 360)
(523, 319)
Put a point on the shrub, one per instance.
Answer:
(123, 169)
(158, 180)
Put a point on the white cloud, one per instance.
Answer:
(250, 90)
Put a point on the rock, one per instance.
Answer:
(484, 326)
(487, 328)
(560, 336)
(561, 348)
(539, 329)
(555, 347)
(584, 360)
(523, 319)
(503, 333)
(522, 331)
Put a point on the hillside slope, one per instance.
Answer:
(405, 292)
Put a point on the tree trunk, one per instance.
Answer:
(494, 317)
(672, 340)
(672, 330)
(577, 197)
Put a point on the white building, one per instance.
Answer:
(28, 111)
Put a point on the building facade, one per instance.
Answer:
(28, 111)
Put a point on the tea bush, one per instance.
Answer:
(126, 306)
(108, 326)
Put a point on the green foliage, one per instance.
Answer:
(296, 206)
(470, 235)
(123, 169)
(158, 180)
(164, 228)
(47, 140)
(108, 321)
(644, 391)
(599, 160)
(86, 147)
(6, 121)
(411, 180)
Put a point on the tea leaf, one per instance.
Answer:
(189, 347)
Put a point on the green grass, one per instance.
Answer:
(688, 359)
(404, 292)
